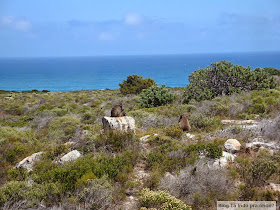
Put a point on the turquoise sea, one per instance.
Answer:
(92, 73)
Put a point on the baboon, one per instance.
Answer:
(184, 123)
(117, 111)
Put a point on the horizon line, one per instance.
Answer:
(134, 55)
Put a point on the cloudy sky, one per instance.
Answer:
(35, 28)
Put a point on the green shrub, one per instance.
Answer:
(74, 173)
(174, 132)
(116, 140)
(224, 78)
(14, 110)
(97, 194)
(134, 84)
(17, 174)
(219, 109)
(60, 111)
(31, 196)
(245, 116)
(258, 106)
(88, 118)
(261, 171)
(202, 123)
(63, 128)
(161, 200)
(85, 178)
(272, 71)
(54, 152)
(15, 151)
(155, 96)
(213, 150)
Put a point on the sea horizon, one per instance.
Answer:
(74, 73)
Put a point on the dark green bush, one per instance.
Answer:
(272, 71)
(134, 84)
(224, 78)
(213, 150)
(17, 150)
(17, 174)
(155, 96)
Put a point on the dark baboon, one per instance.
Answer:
(117, 111)
(184, 123)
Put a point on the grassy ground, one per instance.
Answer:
(35, 121)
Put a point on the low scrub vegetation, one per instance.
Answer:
(175, 165)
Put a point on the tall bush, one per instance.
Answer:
(224, 78)
(134, 84)
(155, 96)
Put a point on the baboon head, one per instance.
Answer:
(184, 123)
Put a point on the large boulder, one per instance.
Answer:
(126, 124)
(73, 155)
(29, 161)
(232, 145)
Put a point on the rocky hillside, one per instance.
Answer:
(56, 155)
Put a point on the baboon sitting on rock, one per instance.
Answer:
(184, 123)
(117, 111)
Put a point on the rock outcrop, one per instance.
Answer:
(29, 161)
(73, 155)
(126, 124)
(232, 145)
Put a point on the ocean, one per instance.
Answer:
(92, 73)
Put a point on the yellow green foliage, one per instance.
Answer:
(161, 200)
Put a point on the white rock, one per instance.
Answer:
(29, 161)
(224, 160)
(232, 145)
(147, 137)
(274, 187)
(190, 135)
(73, 155)
(126, 124)
(259, 144)
(239, 122)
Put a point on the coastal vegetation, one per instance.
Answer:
(176, 164)
(134, 84)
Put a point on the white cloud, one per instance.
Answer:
(133, 19)
(20, 24)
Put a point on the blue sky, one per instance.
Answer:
(33, 28)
